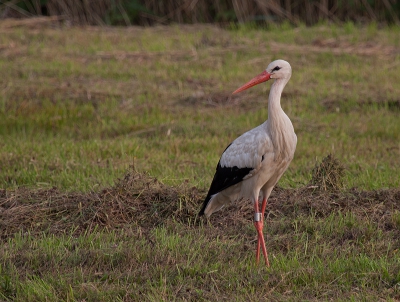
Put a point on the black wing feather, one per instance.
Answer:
(224, 177)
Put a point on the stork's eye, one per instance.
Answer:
(276, 68)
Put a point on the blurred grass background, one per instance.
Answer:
(147, 12)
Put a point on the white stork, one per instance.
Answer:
(253, 163)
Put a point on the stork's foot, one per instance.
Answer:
(259, 224)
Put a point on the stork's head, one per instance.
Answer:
(278, 69)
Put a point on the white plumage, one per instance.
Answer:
(254, 162)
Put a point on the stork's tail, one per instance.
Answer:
(213, 203)
(205, 203)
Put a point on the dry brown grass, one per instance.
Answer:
(308, 227)
(139, 199)
(328, 175)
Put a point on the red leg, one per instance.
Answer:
(256, 224)
(259, 224)
(264, 205)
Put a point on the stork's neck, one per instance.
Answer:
(279, 126)
(275, 111)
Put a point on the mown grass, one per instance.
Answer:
(79, 105)
(176, 262)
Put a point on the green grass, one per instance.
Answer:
(177, 263)
(78, 106)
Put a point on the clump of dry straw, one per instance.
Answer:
(328, 175)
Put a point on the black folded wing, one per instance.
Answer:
(224, 177)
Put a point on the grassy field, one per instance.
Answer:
(79, 106)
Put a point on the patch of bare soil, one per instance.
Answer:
(35, 22)
(335, 103)
(338, 47)
(61, 92)
(199, 98)
(141, 200)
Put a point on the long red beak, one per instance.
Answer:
(262, 77)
